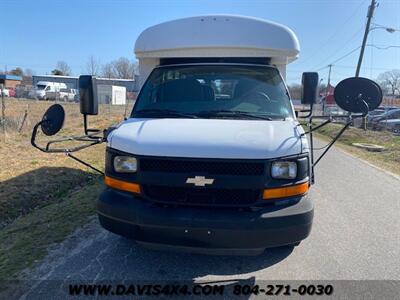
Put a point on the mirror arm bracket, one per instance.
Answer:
(33, 137)
(332, 142)
(86, 129)
(309, 111)
(67, 153)
(317, 127)
(92, 139)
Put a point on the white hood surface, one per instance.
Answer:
(208, 138)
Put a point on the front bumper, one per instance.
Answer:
(209, 229)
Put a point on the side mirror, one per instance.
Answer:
(88, 95)
(358, 95)
(53, 119)
(310, 85)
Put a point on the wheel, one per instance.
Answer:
(65, 98)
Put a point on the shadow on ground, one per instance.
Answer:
(37, 188)
(93, 255)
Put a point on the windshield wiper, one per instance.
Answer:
(156, 112)
(235, 113)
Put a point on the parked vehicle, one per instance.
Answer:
(334, 110)
(11, 92)
(44, 89)
(76, 98)
(381, 122)
(23, 91)
(392, 125)
(5, 92)
(67, 95)
(375, 113)
(212, 158)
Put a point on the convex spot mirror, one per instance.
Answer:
(310, 89)
(53, 119)
(88, 95)
(358, 95)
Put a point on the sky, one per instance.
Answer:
(37, 34)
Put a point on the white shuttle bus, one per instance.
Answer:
(212, 158)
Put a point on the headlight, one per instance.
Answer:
(125, 164)
(284, 169)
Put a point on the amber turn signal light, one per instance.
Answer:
(122, 185)
(283, 192)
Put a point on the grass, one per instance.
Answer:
(44, 197)
(27, 239)
(389, 159)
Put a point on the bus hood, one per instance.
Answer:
(208, 138)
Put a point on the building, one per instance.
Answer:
(10, 81)
(327, 95)
(72, 81)
(111, 94)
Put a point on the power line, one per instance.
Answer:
(347, 54)
(355, 49)
(383, 47)
(340, 47)
(327, 42)
(353, 67)
(383, 26)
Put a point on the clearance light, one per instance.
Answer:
(283, 192)
(122, 185)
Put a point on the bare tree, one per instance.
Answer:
(57, 72)
(62, 68)
(93, 66)
(27, 77)
(107, 71)
(390, 81)
(295, 91)
(123, 68)
(120, 68)
(29, 72)
(17, 71)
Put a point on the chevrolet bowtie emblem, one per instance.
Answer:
(200, 180)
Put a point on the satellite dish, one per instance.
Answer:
(53, 119)
(358, 95)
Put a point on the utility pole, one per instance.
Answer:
(326, 89)
(370, 14)
(3, 111)
(329, 74)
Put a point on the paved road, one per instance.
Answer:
(356, 235)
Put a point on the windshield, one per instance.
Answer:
(41, 86)
(214, 91)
